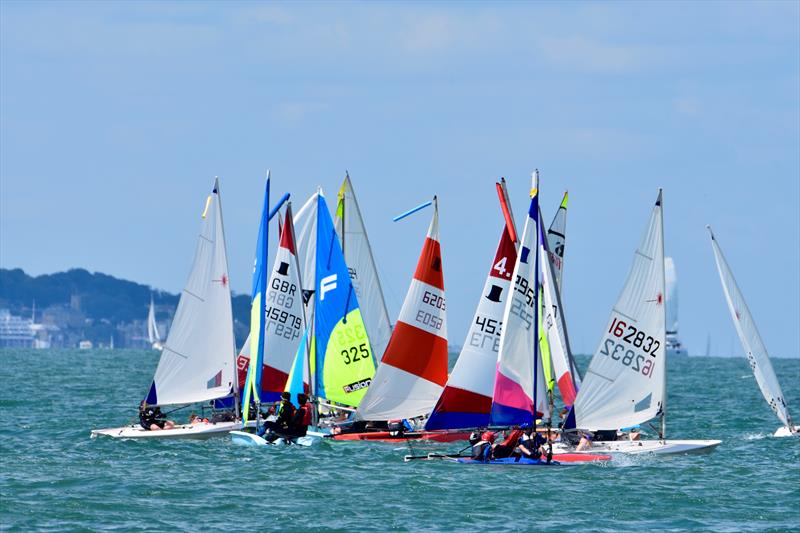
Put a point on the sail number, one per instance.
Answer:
(433, 300)
(634, 336)
(485, 332)
(286, 325)
(353, 354)
(635, 361)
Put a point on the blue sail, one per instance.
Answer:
(344, 364)
(258, 299)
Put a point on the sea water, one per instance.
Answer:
(54, 477)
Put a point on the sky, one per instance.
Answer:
(116, 116)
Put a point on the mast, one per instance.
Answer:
(663, 434)
(235, 377)
(537, 350)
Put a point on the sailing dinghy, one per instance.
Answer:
(466, 400)
(753, 346)
(625, 384)
(413, 372)
(197, 360)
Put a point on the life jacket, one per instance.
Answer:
(481, 450)
(512, 438)
(306, 419)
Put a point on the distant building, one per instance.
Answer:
(18, 332)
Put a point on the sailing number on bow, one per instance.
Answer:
(278, 316)
(628, 344)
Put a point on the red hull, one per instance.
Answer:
(385, 436)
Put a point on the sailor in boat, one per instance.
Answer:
(530, 444)
(194, 418)
(509, 444)
(585, 443)
(302, 417)
(482, 449)
(152, 419)
(284, 417)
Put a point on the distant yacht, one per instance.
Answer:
(674, 345)
(152, 328)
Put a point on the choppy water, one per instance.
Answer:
(53, 477)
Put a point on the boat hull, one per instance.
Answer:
(244, 438)
(386, 436)
(637, 447)
(187, 431)
(784, 431)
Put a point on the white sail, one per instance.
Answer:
(305, 226)
(625, 384)
(556, 240)
(520, 386)
(197, 362)
(363, 272)
(554, 328)
(751, 340)
(284, 320)
(152, 327)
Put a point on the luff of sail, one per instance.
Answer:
(467, 398)
(344, 365)
(197, 360)
(363, 271)
(751, 340)
(519, 389)
(625, 383)
(413, 372)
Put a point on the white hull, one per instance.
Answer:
(636, 447)
(243, 438)
(784, 431)
(188, 431)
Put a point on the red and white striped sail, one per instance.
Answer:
(413, 372)
(284, 322)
